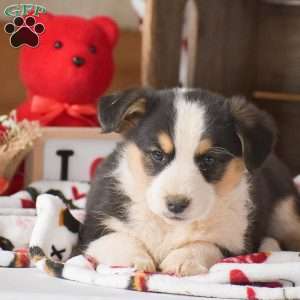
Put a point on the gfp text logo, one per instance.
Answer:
(17, 10)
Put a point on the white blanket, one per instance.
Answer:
(264, 275)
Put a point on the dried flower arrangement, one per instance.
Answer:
(16, 141)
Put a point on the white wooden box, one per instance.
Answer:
(67, 153)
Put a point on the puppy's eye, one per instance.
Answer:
(157, 155)
(207, 162)
(58, 44)
(93, 49)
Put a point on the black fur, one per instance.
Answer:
(6, 244)
(270, 184)
(70, 222)
(107, 201)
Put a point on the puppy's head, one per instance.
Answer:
(194, 147)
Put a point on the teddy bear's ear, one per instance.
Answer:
(109, 27)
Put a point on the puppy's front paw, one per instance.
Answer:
(144, 263)
(139, 260)
(117, 249)
(181, 263)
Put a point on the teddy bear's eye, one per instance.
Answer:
(93, 49)
(58, 44)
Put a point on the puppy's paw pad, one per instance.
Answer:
(182, 266)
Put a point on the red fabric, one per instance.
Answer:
(27, 203)
(48, 109)
(3, 131)
(93, 262)
(256, 258)
(3, 185)
(66, 90)
(140, 282)
(251, 295)
(238, 277)
(94, 166)
(76, 194)
(22, 258)
(16, 183)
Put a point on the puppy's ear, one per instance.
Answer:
(256, 130)
(121, 111)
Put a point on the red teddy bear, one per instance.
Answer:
(68, 71)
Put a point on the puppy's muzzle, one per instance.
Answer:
(176, 204)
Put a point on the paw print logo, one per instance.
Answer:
(24, 31)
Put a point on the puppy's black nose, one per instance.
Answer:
(78, 61)
(177, 204)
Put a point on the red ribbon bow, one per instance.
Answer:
(49, 109)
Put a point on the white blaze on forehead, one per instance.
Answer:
(182, 176)
(189, 126)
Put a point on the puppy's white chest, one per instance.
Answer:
(225, 227)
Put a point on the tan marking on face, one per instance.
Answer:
(135, 158)
(203, 146)
(231, 178)
(165, 142)
(131, 173)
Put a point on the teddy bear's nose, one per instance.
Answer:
(78, 61)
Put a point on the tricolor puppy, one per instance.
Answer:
(193, 181)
